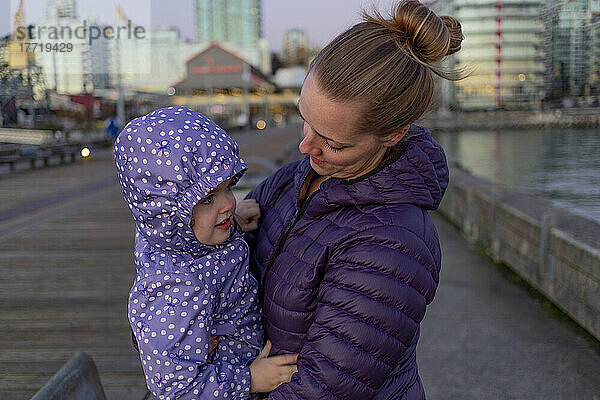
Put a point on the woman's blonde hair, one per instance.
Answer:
(386, 65)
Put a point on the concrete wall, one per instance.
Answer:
(557, 252)
(564, 118)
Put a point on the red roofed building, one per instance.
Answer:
(216, 68)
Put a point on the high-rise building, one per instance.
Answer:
(68, 71)
(565, 47)
(593, 30)
(75, 65)
(294, 47)
(503, 49)
(234, 21)
(60, 9)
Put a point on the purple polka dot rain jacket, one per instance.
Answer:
(186, 292)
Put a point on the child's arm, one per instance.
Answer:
(172, 319)
(267, 373)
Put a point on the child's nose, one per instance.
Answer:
(227, 203)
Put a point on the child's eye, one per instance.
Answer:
(207, 200)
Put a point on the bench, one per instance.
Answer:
(9, 154)
(17, 145)
(14, 153)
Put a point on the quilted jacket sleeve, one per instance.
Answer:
(370, 304)
(172, 320)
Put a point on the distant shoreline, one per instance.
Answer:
(529, 120)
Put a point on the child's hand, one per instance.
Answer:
(266, 373)
(247, 213)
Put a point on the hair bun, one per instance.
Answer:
(456, 35)
(427, 37)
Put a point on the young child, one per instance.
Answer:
(193, 306)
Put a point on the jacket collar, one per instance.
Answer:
(416, 174)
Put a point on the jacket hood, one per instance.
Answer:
(166, 162)
(416, 174)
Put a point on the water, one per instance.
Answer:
(560, 165)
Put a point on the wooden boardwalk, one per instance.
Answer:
(65, 271)
(66, 268)
(66, 242)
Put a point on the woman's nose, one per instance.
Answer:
(308, 146)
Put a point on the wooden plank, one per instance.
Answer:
(66, 276)
(64, 289)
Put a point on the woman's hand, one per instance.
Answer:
(247, 213)
(266, 373)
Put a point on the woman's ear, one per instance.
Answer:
(393, 138)
(192, 222)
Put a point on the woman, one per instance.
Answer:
(346, 254)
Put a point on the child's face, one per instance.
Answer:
(213, 215)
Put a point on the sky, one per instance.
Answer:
(321, 19)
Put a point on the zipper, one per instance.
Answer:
(287, 231)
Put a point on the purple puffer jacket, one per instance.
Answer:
(186, 292)
(346, 278)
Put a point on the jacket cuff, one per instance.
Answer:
(242, 382)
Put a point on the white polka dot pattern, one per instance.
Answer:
(166, 162)
(186, 293)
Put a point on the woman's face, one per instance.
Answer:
(330, 138)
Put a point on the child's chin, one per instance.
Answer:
(226, 237)
(222, 238)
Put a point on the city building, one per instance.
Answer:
(4, 49)
(258, 55)
(168, 54)
(294, 48)
(236, 25)
(69, 63)
(75, 71)
(219, 70)
(503, 52)
(565, 48)
(593, 30)
(21, 82)
(234, 21)
(290, 77)
(152, 64)
(21, 77)
(224, 86)
(59, 9)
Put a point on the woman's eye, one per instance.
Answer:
(330, 147)
(207, 200)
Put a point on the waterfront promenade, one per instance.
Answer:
(66, 268)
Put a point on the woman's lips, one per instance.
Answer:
(225, 225)
(318, 162)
